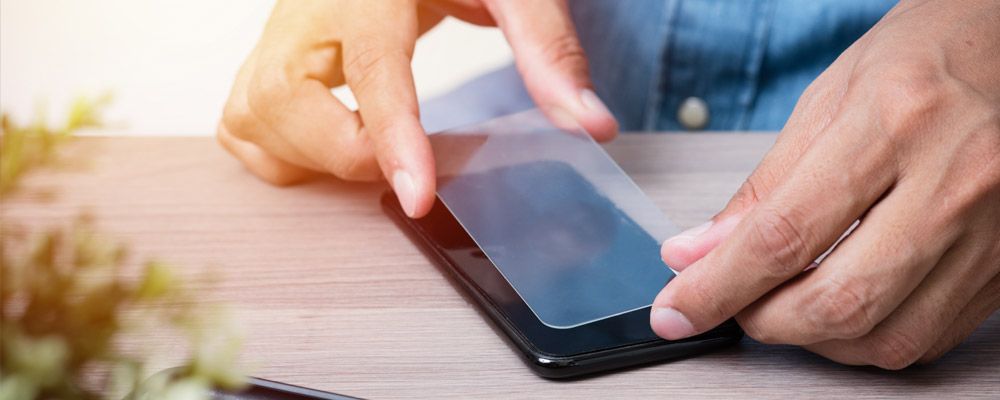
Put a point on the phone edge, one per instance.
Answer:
(557, 366)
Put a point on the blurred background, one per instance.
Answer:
(170, 64)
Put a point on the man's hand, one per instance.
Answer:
(283, 123)
(902, 132)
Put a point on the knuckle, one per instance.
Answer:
(822, 87)
(749, 193)
(238, 119)
(363, 59)
(894, 351)
(565, 51)
(362, 63)
(781, 242)
(908, 92)
(752, 188)
(820, 93)
(842, 310)
(266, 93)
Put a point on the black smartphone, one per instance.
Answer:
(253, 389)
(263, 389)
(606, 344)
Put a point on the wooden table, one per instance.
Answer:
(333, 296)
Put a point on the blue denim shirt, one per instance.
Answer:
(747, 60)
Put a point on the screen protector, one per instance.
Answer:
(569, 230)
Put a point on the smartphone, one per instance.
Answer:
(620, 341)
(263, 389)
(253, 389)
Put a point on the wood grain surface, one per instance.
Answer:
(333, 296)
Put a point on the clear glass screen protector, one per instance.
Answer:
(569, 230)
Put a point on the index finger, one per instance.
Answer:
(834, 183)
(553, 64)
(377, 69)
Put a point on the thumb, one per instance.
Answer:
(552, 62)
(813, 113)
(689, 246)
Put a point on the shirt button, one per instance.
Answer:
(693, 113)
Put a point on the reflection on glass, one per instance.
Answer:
(565, 226)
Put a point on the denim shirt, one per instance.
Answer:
(740, 63)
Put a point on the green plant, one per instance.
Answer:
(28, 147)
(65, 299)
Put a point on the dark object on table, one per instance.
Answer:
(260, 389)
(614, 343)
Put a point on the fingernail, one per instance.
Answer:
(670, 324)
(402, 183)
(693, 233)
(592, 102)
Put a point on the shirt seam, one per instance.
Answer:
(656, 92)
(755, 63)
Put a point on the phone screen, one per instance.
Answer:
(570, 232)
(626, 338)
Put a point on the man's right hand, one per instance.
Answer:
(284, 124)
